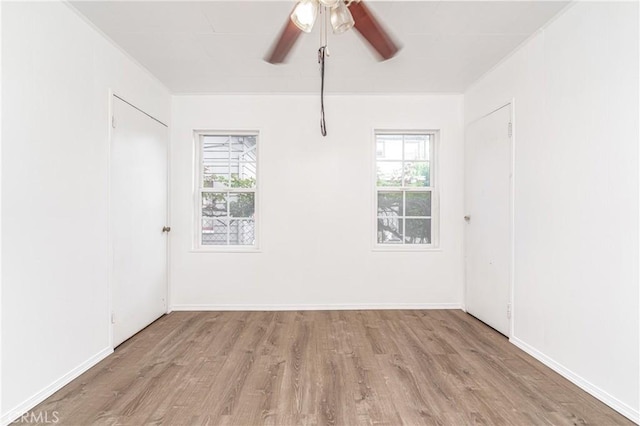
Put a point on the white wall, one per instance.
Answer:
(56, 76)
(0, 210)
(576, 195)
(316, 206)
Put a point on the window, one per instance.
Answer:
(226, 190)
(405, 197)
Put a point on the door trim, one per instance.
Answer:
(110, 253)
(511, 103)
(512, 222)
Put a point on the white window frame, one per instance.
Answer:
(198, 189)
(433, 188)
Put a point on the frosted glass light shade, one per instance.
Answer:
(341, 19)
(328, 3)
(304, 15)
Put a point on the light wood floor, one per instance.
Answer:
(341, 368)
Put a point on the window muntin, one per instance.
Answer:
(404, 189)
(227, 182)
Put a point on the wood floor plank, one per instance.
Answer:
(323, 368)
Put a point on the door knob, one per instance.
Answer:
(166, 229)
(467, 218)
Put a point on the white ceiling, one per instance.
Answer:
(219, 46)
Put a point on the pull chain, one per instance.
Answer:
(323, 52)
(321, 57)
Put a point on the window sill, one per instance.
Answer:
(226, 250)
(379, 248)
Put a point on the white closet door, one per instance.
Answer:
(488, 165)
(138, 182)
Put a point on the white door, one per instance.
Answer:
(138, 201)
(488, 165)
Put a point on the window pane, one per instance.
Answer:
(215, 176)
(243, 175)
(390, 231)
(389, 147)
(418, 204)
(404, 183)
(243, 148)
(389, 174)
(214, 231)
(242, 232)
(416, 174)
(214, 204)
(416, 147)
(215, 149)
(389, 203)
(418, 231)
(228, 166)
(242, 205)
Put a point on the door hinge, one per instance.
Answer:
(113, 121)
(113, 318)
(508, 310)
(510, 129)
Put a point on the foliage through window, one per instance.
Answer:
(227, 189)
(404, 188)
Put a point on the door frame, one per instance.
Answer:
(511, 102)
(110, 253)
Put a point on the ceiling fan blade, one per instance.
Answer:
(281, 48)
(369, 27)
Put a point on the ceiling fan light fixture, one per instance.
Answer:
(304, 15)
(341, 18)
(328, 3)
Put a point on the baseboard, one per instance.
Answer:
(587, 386)
(45, 393)
(323, 307)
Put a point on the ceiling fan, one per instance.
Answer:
(344, 14)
